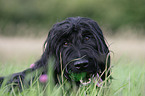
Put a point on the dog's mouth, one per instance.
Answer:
(86, 78)
(94, 78)
(82, 75)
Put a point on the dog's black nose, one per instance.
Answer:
(81, 64)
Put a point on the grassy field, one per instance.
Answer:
(128, 70)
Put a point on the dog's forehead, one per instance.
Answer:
(75, 27)
(69, 29)
(64, 31)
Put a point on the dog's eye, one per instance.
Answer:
(65, 44)
(87, 38)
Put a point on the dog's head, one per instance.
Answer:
(78, 46)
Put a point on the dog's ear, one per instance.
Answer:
(100, 40)
(47, 51)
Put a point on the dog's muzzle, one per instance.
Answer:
(81, 64)
(86, 79)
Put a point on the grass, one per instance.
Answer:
(129, 80)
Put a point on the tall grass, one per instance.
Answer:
(128, 80)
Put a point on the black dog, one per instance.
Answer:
(78, 46)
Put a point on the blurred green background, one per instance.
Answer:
(22, 17)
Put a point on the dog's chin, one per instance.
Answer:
(92, 78)
(87, 79)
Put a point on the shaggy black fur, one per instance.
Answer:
(79, 43)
